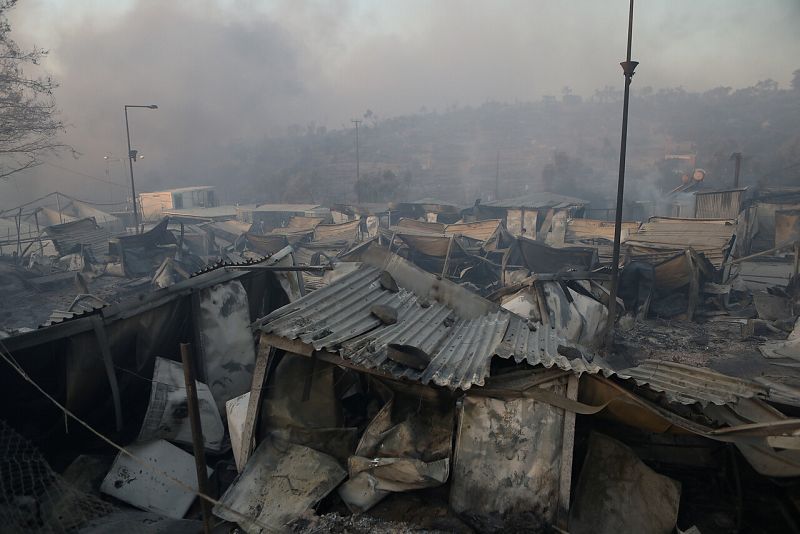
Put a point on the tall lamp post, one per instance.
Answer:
(358, 163)
(628, 67)
(131, 157)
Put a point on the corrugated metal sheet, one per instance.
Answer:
(662, 237)
(337, 318)
(228, 230)
(70, 236)
(583, 229)
(480, 230)
(299, 222)
(537, 201)
(337, 232)
(421, 226)
(266, 244)
(540, 346)
(212, 213)
(688, 384)
(719, 204)
(432, 245)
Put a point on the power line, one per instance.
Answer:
(9, 359)
(79, 173)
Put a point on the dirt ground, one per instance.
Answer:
(26, 306)
(718, 345)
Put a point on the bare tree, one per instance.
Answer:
(29, 122)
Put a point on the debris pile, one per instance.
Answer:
(422, 367)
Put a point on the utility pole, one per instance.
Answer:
(628, 67)
(737, 166)
(131, 157)
(358, 163)
(497, 178)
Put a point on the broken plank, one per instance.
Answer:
(266, 353)
(567, 448)
(289, 345)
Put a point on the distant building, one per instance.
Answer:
(153, 205)
(268, 216)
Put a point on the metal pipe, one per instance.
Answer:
(628, 67)
(198, 445)
(278, 268)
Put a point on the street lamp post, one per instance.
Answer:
(358, 163)
(131, 157)
(628, 67)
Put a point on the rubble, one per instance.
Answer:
(420, 366)
(617, 492)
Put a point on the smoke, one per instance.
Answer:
(225, 73)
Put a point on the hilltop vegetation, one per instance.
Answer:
(567, 144)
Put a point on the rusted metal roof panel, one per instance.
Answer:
(70, 236)
(719, 204)
(660, 236)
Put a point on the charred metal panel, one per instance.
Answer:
(508, 458)
(70, 236)
(228, 347)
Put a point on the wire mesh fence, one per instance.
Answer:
(33, 497)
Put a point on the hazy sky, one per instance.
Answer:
(230, 70)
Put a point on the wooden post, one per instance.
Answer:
(58, 203)
(38, 232)
(447, 257)
(18, 221)
(567, 449)
(198, 444)
(796, 258)
(266, 353)
(694, 285)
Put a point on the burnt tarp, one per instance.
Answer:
(84, 233)
(540, 258)
(141, 254)
(407, 446)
